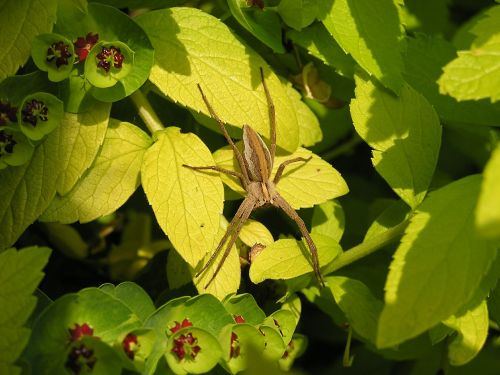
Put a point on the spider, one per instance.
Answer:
(256, 164)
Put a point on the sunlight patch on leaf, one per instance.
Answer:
(288, 258)
(20, 274)
(405, 134)
(475, 73)
(21, 21)
(438, 266)
(187, 204)
(109, 182)
(79, 137)
(472, 329)
(303, 184)
(193, 47)
(488, 206)
(371, 32)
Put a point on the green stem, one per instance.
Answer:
(146, 112)
(342, 149)
(367, 247)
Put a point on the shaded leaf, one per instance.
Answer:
(20, 274)
(405, 134)
(328, 219)
(438, 266)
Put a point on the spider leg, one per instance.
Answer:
(237, 152)
(282, 166)
(244, 216)
(218, 169)
(280, 202)
(247, 205)
(272, 116)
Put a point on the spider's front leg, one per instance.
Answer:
(282, 166)
(221, 170)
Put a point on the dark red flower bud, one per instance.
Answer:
(7, 143)
(235, 346)
(84, 45)
(239, 319)
(130, 345)
(8, 114)
(80, 359)
(79, 331)
(185, 323)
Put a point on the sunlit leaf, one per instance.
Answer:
(187, 204)
(193, 47)
(488, 206)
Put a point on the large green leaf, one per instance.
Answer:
(475, 73)
(187, 204)
(328, 219)
(372, 34)
(425, 58)
(405, 134)
(438, 266)
(471, 325)
(110, 180)
(20, 274)
(298, 13)
(193, 47)
(303, 184)
(254, 232)
(79, 138)
(21, 21)
(288, 258)
(488, 206)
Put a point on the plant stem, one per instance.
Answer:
(146, 112)
(342, 149)
(367, 247)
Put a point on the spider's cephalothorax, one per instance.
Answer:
(256, 164)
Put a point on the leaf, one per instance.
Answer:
(78, 138)
(405, 134)
(132, 296)
(20, 274)
(303, 184)
(438, 266)
(328, 219)
(371, 33)
(263, 24)
(110, 180)
(357, 302)
(475, 73)
(27, 190)
(288, 258)
(21, 21)
(488, 206)
(424, 61)
(193, 47)
(187, 204)
(472, 329)
(319, 43)
(309, 129)
(298, 14)
(254, 232)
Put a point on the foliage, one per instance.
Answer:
(100, 111)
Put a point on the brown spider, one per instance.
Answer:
(256, 164)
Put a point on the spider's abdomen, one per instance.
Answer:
(257, 155)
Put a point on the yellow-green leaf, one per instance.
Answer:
(488, 206)
(187, 204)
(303, 184)
(328, 219)
(79, 137)
(193, 47)
(254, 232)
(109, 182)
(471, 325)
(288, 258)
